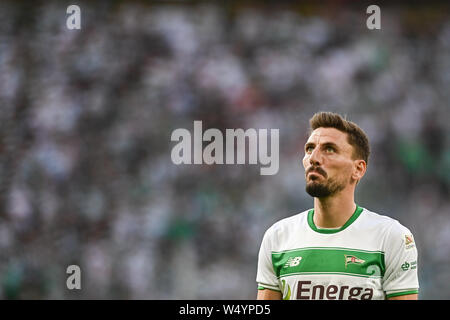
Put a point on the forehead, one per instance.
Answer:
(325, 135)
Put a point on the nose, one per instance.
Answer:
(314, 157)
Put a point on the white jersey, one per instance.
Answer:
(370, 257)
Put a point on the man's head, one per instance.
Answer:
(336, 155)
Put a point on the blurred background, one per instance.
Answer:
(86, 117)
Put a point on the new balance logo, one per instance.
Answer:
(292, 262)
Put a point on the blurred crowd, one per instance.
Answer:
(86, 117)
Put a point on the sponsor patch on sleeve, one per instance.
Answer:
(409, 241)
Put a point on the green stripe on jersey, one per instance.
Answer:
(327, 260)
(396, 294)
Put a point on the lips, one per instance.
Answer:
(316, 172)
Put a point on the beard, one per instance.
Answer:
(324, 189)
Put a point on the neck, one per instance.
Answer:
(334, 211)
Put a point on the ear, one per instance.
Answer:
(360, 168)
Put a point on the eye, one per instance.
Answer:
(309, 149)
(329, 149)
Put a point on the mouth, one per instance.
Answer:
(314, 174)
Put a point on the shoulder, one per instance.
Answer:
(287, 225)
(389, 228)
(289, 222)
(378, 218)
(381, 221)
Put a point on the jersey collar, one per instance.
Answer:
(354, 216)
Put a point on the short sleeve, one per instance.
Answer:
(265, 276)
(400, 277)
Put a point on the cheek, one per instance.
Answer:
(305, 161)
(343, 170)
(348, 171)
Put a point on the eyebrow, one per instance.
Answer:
(326, 144)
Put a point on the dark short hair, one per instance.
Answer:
(356, 137)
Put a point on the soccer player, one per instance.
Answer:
(337, 250)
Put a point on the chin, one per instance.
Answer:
(318, 190)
